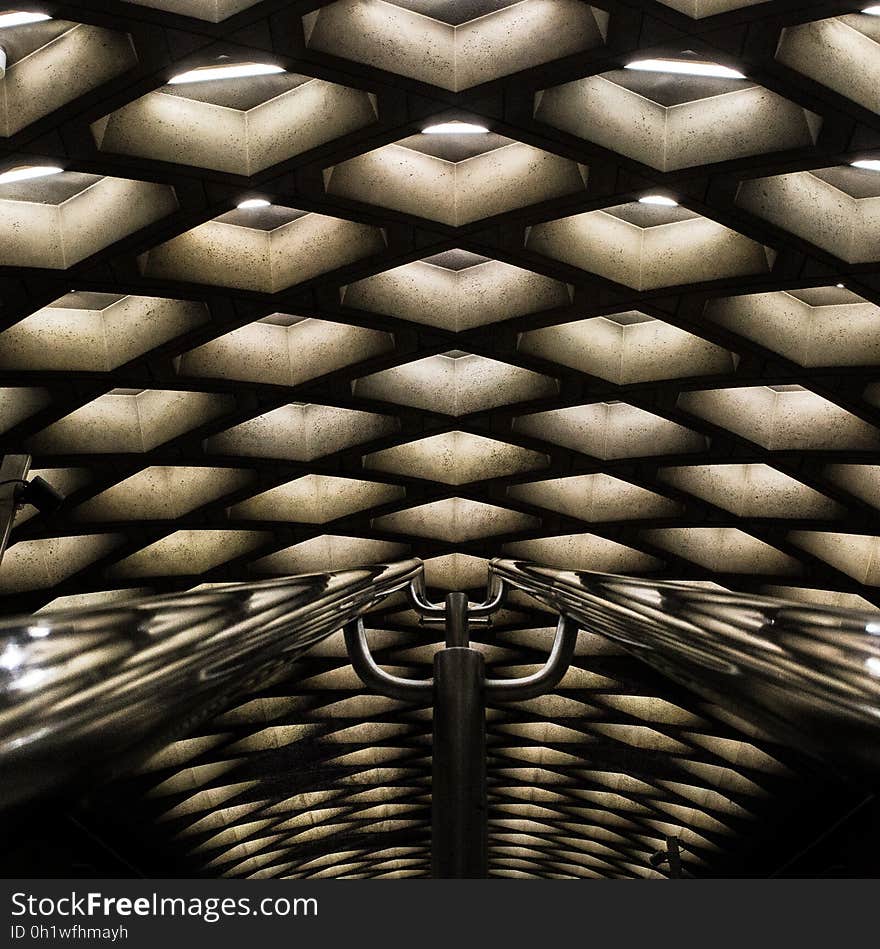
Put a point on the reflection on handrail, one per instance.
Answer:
(808, 675)
(88, 693)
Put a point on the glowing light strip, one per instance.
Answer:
(28, 171)
(659, 199)
(871, 164)
(20, 19)
(684, 67)
(237, 71)
(455, 128)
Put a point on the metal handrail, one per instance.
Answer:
(547, 677)
(89, 693)
(806, 674)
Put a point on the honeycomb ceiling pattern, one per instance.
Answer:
(451, 346)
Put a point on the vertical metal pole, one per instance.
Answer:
(13, 467)
(459, 815)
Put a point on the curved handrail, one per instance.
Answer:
(547, 677)
(498, 690)
(376, 678)
(805, 673)
(89, 693)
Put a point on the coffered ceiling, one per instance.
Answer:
(452, 345)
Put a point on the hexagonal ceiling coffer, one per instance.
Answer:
(59, 220)
(455, 383)
(238, 128)
(162, 492)
(457, 291)
(283, 349)
(457, 572)
(455, 178)
(455, 458)
(648, 246)
(214, 11)
(583, 552)
(595, 497)
(316, 499)
(856, 555)
(41, 564)
(837, 209)
(301, 432)
(96, 331)
(452, 46)
(842, 53)
(627, 347)
(455, 520)
(129, 420)
(751, 490)
(816, 326)
(782, 417)
(677, 121)
(724, 550)
(266, 250)
(609, 430)
(329, 552)
(188, 553)
(698, 9)
(51, 63)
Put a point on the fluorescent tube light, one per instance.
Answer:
(28, 171)
(232, 71)
(685, 67)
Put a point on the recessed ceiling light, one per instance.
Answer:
(233, 71)
(659, 199)
(252, 203)
(455, 128)
(28, 171)
(20, 18)
(872, 164)
(685, 67)
(872, 11)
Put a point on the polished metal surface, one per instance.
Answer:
(808, 675)
(86, 694)
(500, 690)
(459, 809)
